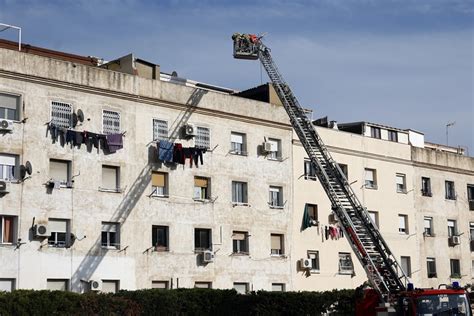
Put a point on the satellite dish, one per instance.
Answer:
(22, 172)
(74, 119)
(174, 74)
(29, 168)
(80, 235)
(80, 115)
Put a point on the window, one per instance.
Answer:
(450, 193)
(425, 186)
(455, 268)
(405, 262)
(277, 245)
(470, 196)
(239, 192)
(8, 229)
(375, 132)
(159, 238)
(375, 217)
(57, 284)
(370, 178)
(401, 183)
(7, 285)
(110, 286)
(203, 285)
(345, 169)
(471, 234)
(159, 183)
(110, 178)
(313, 256)
(60, 236)
(7, 167)
(309, 171)
(278, 287)
(160, 130)
(163, 285)
(393, 136)
(431, 267)
(428, 226)
(202, 239)
(452, 229)
(238, 143)
(61, 114)
(202, 188)
(9, 106)
(402, 224)
(203, 137)
(241, 288)
(275, 151)
(60, 171)
(312, 210)
(240, 242)
(110, 235)
(110, 122)
(276, 197)
(345, 263)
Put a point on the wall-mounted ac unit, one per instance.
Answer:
(95, 285)
(41, 230)
(6, 125)
(189, 130)
(305, 263)
(454, 240)
(267, 147)
(4, 187)
(208, 256)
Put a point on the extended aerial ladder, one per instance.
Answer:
(383, 270)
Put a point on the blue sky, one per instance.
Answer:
(403, 63)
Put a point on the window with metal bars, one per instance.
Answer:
(61, 114)
(110, 122)
(203, 137)
(160, 130)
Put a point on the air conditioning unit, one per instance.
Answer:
(208, 256)
(4, 187)
(305, 263)
(95, 285)
(41, 230)
(189, 130)
(6, 125)
(267, 147)
(455, 240)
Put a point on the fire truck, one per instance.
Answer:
(391, 292)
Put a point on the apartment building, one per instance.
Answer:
(109, 214)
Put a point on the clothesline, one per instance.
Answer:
(176, 153)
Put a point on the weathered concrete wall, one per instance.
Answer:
(41, 80)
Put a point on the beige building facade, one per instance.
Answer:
(86, 219)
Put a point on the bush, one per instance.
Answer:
(177, 302)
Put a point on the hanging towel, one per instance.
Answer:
(165, 151)
(306, 219)
(113, 142)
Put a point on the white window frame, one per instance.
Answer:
(238, 146)
(346, 266)
(110, 228)
(276, 152)
(434, 272)
(111, 122)
(428, 226)
(8, 164)
(13, 228)
(401, 183)
(403, 224)
(5, 110)
(203, 137)
(160, 130)
(276, 197)
(240, 246)
(61, 114)
(370, 182)
(55, 240)
(245, 285)
(313, 256)
(239, 193)
(12, 282)
(275, 251)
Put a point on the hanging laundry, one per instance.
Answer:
(198, 154)
(306, 219)
(322, 234)
(188, 153)
(178, 154)
(165, 151)
(113, 142)
(326, 232)
(341, 232)
(78, 138)
(70, 137)
(53, 131)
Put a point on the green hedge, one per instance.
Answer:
(176, 302)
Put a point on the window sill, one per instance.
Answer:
(111, 247)
(234, 204)
(314, 271)
(7, 244)
(427, 194)
(119, 190)
(311, 178)
(240, 254)
(282, 256)
(279, 159)
(278, 207)
(450, 199)
(346, 272)
(160, 196)
(238, 153)
(371, 187)
(402, 191)
(201, 200)
(201, 250)
(157, 249)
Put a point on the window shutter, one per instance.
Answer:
(276, 242)
(57, 285)
(200, 182)
(158, 179)
(369, 175)
(59, 226)
(401, 221)
(238, 236)
(7, 160)
(9, 101)
(274, 145)
(58, 170)
(110, 227)
(8, 229)
(109, 177)
(400, 180)
(109, 286)
(6, 285)
(237, 138)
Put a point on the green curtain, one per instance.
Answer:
(306, 219)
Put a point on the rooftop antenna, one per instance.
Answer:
(447, 134)
(4, 27)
